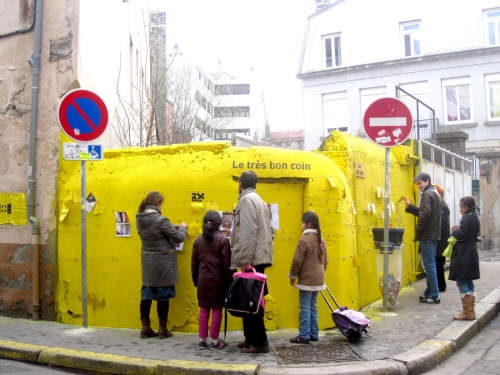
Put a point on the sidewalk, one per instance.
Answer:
(409, 339)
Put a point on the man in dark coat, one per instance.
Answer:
(443, 242)
(428, 232)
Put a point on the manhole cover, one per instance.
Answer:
(337, 352)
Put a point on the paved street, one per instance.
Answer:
(8, 367)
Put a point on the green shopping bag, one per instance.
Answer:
(449, 249)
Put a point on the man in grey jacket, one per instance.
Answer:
(252, 246)
(428, 232)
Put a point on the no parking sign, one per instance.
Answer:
(82, 115)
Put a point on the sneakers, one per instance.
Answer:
(218, 345)
(202, 345)
(299, 340)
(429, 300)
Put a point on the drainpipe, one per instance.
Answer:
(35, 63)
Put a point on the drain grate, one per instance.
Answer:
(336, 352)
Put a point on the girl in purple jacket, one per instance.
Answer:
(210, 263)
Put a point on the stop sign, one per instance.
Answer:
(388, 122)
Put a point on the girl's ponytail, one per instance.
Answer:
(211, 223)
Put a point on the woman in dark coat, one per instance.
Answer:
(464, 267)
(210, 264)
(443, 242)
(158, 262)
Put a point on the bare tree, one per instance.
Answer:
(169, 102)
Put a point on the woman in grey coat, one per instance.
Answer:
(158, 262)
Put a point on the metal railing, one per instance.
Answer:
(428, 127)
(423, 129)
(446, 158)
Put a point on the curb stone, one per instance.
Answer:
(459, 332)
(97, 362)
(425, 356)
(403, 370)
(20, 352)
(360, 368)
(114, 364)
(487, 313)
(180, 367)
(492, 297)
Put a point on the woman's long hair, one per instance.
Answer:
(152, 199)
(312, 218)
(211, 223)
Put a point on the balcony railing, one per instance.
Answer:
(425, 129)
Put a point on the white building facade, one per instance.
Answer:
(235, 103)
(446, 54)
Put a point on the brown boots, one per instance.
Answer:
(146, 330)
(164, 332)
(468, 306)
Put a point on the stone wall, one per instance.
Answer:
(57, 71)
(489, 165)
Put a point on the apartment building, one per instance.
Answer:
(229, 105)
(444, 53)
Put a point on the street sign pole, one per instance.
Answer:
(83, 117)
(387, 122)
(83, 173)
(386, 225)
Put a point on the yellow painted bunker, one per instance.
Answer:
(197, 177)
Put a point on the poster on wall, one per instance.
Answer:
(90, 202)
(227, 217)
(226, 227)
(275, 217)
(122, 224)
(178, 246)
(13, 209)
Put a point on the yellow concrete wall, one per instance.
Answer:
(310, 181)
(345, 150)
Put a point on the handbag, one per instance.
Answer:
(245, 295)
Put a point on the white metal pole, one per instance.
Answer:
(386, 223)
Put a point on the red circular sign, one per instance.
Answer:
(388, 122)
(82, 115)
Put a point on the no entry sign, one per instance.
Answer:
(388, 122)
(82, 115)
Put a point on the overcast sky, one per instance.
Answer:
(264, 34)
